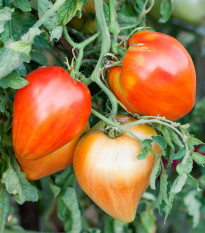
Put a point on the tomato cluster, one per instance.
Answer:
(157, 77)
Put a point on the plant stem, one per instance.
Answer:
(105, 48)
(50, 12)
(80, 47)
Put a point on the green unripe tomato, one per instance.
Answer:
(190, 11)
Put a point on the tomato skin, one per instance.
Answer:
(49, 112)
(56, 161)
(157, 77)
(109, 172)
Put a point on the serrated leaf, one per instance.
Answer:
(155, 171)
(55, 189)
(148, 220)
(175, 139)
(194, 141)
(17, 184)
(165, 133)
(180, 154)
(193, 182)
(160, 141)
(4, 206)
(163, 189)
(56, 33)
(13, 80)
(193, 205)
(199, 158)
(23, 46)
(71, 202)
(166, 10)
(5, 16)
(185, 167)
(68, 10)
(179, 183)
(146, 143)
(143, 154)
(9, 60)
(177, 186)
(21, 23)
(51, 22)
(23, 5)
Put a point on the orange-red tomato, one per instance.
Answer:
(109, 172)
(56, 161)
(49, 112)
(157, 77)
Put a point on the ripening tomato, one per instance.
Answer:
(56, 161)
(49, 112)
(109, 172)
(157, 77)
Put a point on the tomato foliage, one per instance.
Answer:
(140, 167)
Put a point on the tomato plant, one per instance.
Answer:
(127, 169)
(150, 79)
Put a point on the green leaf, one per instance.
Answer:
(23, 46)
(55, 189)
(148, 220)
(165, 133)
(9, 60)
(38, 56)
(5, 16)
(185, 167)
(21, 23)
(177, 186)
(163, 189)
(51, 22)
(160, 141)
(13, 80)
(23, 5)
(146, 143)
(4, 206)
(71, 202)
(166, 10)
(68, 10)
(193, 205)
(175, 139)
(199, 158)
(194, 141)
(17, 184)
(193, 182)
(180, 154)
(56, 33)
(156, 170)
(179, 183)
(143, 154)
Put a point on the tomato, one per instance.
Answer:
(56, 161)
(190, 11)
(85, 24)
(49, 112)
(109, 172)
(157, 77)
